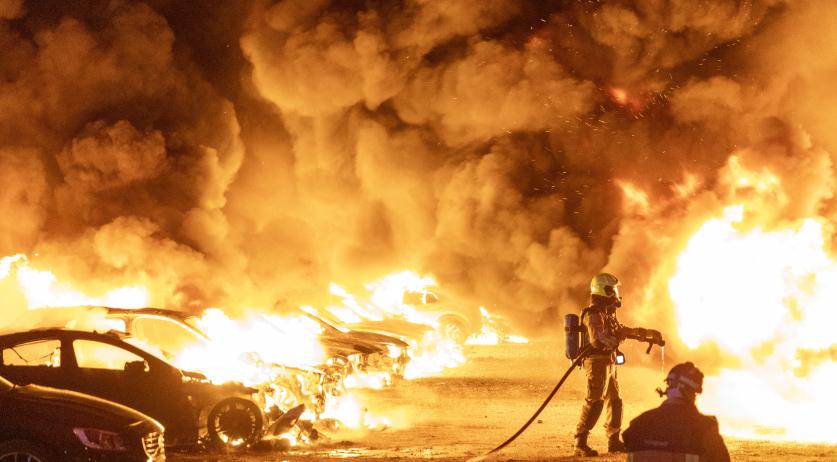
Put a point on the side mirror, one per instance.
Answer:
(136, 367)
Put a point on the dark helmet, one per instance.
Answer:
(686, 375)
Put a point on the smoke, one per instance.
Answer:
(251, 152)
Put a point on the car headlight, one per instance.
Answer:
(104, 440)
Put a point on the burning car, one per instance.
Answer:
(367, 350)
(50, 425)
(174, 332)
(112, 367)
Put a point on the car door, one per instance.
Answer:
(123, 375)
(101, 370)
(34, 361)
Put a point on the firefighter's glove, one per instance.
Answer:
(655, 337)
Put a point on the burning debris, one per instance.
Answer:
(299, 369)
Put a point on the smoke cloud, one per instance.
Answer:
(247, 154)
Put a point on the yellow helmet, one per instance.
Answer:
(605, 284)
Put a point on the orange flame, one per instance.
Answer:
(42, 289)
(765, 299)
(636, 200)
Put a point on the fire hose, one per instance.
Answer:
(572, 329)
(583, 354)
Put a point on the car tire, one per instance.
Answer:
(234, 423)
(454, 328)
(24, 451)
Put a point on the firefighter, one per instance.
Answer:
(602, 330)
(675, 429)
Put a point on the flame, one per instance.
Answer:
(619, 95)
(765, 298)
(281, 355)
(243, 349)
(688, 186)
(636, 200)
(492, 334)
(635, 101)
(376, 380)
(347, 410)
(432, 355)
(762, 180)
(41, 288)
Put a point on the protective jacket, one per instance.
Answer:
(602, 328)
(676, 427)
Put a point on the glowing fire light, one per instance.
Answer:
(244, 349)
(42, 289)
(636, 200)
(347, 410)
(490, 334)
(766, 299)
(429, 355)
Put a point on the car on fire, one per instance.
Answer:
(420, 312)
(347, 350)
(172, 331)
(378, 351)
(40, 424)
(113, 367)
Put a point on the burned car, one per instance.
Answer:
(366, 350)
(110, 366)
(173, 331)
(50, 425)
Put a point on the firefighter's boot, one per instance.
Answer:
(590, 413)
(614, 444)
(581, 448)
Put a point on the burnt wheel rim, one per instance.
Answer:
(234, 424)
(454, 331)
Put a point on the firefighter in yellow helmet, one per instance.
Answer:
(676, 430)
(604, 333)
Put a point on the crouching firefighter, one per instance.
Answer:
(676, 431)
(601, 330)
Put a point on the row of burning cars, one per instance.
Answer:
(206, 394)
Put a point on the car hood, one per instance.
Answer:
(81, 409)
(394, 328)
(348, 344)
(376, 337)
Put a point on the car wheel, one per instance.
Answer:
(454, 328)
(24, 451)
(234, 423)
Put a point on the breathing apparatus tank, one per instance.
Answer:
(572, 337)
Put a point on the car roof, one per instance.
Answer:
(61, 332)
(112, 337)
(169, 313)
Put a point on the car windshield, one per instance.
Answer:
(5, 385)
(169, 335)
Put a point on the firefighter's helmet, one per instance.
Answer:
(605, 285)
(686, 375)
